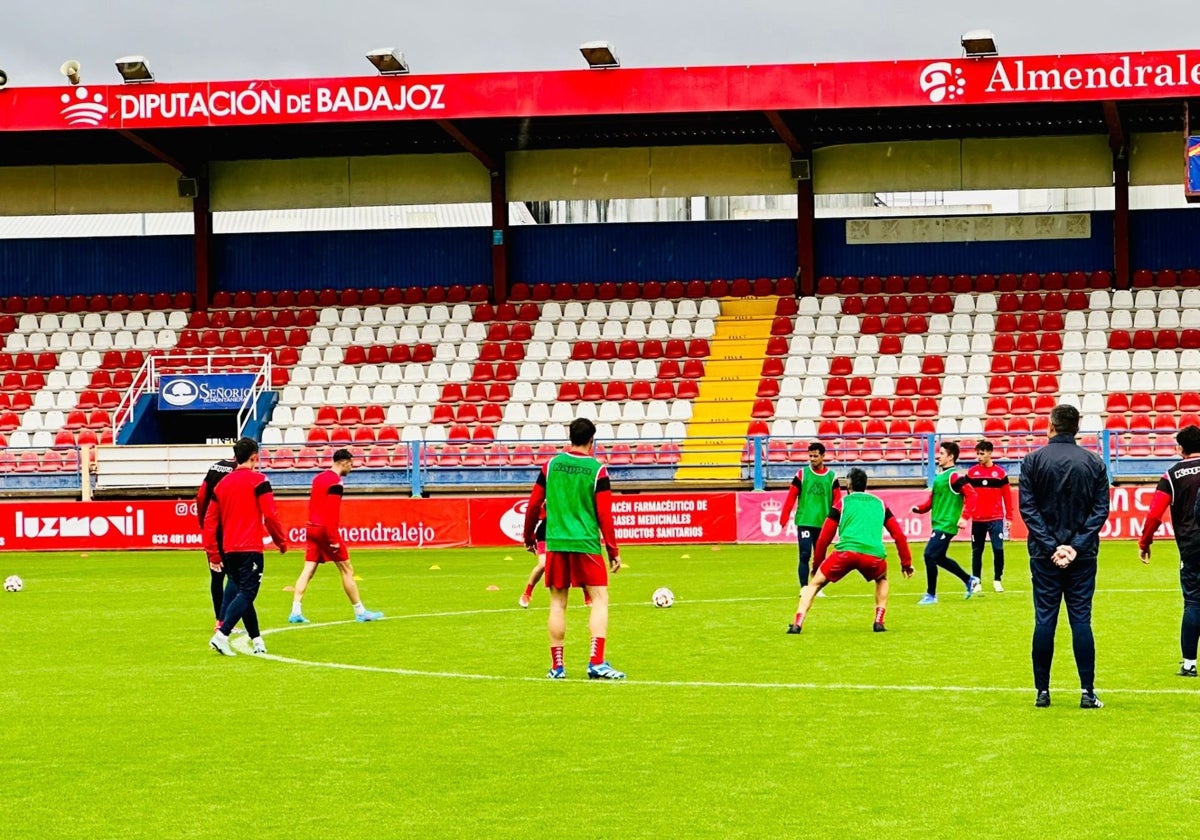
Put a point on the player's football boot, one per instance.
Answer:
(973, 586)
(1088, 700)
(368, 615)
(1043, 699)
(926, 600)
(604, 671)
(556, 674)
(878, 627)
(297, 618)
(220, 643)
(998, 586)
(260, 646)
(794, 629)
(1186, 671)
(523, 602)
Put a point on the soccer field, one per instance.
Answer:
(118, 721)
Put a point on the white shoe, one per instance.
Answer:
(220, 643)
(998, 586)
(523, 602)
(821, 594)
(977, 587)
(259, 646)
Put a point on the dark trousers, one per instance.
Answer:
(222, 589)
(980, 533)
(1189, 582)
(935, 558)
(245, 570)
(1052, 587)
(806, 538)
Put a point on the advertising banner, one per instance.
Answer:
(875, 84)
(637, 519)
(758, 515)
(204, 391)
(485, 521)
(157, 523)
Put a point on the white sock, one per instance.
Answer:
(1189, 663)
(359, 609)
(296, 608)
(258, 641)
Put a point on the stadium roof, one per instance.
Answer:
(821, 104)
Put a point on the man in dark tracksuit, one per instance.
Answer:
(221, 588)
(1064, 502)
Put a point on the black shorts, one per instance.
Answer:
(539, 533)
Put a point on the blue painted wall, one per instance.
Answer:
(1165, 238)
(126, 264)
(354, 259)
(653, 250)
(553, 253)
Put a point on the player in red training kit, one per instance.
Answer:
(539, 569)
(323, 542)
(992, 514)
(241, 505)
(859, 518)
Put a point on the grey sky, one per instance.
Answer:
(187, 40)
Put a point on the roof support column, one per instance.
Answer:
(1120, 164)
(202, 241)
(1121, 273)
(801, 164)
(499, 234)
(806, 229)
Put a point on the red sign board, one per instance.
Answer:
(879, 84)
(637, 519)
(95, 526)
(369, 522)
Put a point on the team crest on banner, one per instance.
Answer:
(768, 518)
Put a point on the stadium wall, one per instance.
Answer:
(554, 253)
(354, 259)
(128, 264)
(1165, 238)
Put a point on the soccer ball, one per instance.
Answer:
(12, 583)
(663, 597)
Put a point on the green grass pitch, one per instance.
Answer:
(117, 721)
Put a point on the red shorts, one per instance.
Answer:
(319, 547)
(841, 563)
(565, 569)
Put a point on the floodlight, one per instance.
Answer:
(134, 69)
(70, 69)
(599, 55)
(979, 43)
(388, 62)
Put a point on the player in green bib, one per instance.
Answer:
(814, 490)
(577, 495)
(950, 503)
(859, 520)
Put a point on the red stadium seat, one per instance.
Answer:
(1165, 403)
(592, 392)
(832, 408)
(1000, 385)
(927, 407)
(675, 349)
(1141, 403)
(652, 349)
(841, 366)
(903, 407)
(906, 386)
(1047, 383)
(879, 407)
(1002, 363)
(1117, 404)
(664, 391)
(768, 388)
(1021, 404)
(997, 406)
(641, 390)
(475, 392)
(668, 369)
(618, 392)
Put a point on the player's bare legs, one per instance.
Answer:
(534, 577)
(556, 625)
(598, 618)
(807, 594)
(348, 582)
(306, 574)
(881, 596)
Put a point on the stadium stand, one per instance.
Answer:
(872, 366)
